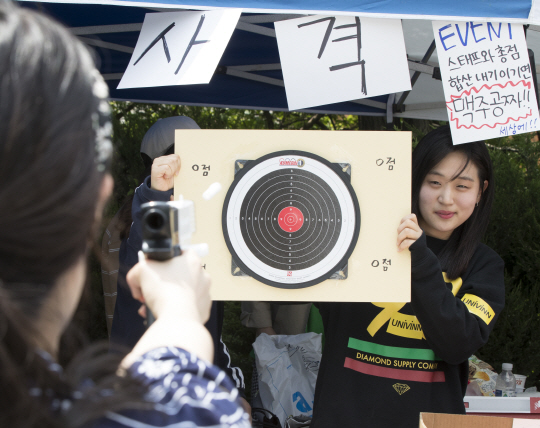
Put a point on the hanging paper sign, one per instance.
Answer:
(179, 48)
(487, 79)
(330, 59)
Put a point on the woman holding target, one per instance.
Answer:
(384, 363)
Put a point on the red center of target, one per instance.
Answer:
(290, 219)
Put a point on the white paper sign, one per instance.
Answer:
(179, 48)
(330, 59)
(487, 79)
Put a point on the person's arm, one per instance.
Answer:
(177, 293)
(157, 187)
(184, 391)
(454, 326)
(173, 356)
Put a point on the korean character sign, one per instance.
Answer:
(179, 48)
(487, 79)
(331, 59)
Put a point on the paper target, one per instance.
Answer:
(291, 219)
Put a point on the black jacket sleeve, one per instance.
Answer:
(456, 326)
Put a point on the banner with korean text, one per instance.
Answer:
(487, 79)
(179, 48)
(330, 59)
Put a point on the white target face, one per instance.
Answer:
(291, 220)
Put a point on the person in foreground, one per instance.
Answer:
(54, 156)
(384, 363)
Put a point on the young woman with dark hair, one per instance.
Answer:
(384, 363)
(464, 240)
(54, 155)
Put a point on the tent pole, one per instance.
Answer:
(390, 111)
(533, 67)
(416, 75)
(533, 73)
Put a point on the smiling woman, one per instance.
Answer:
(452, 195)
(414, 355)
(449, 194)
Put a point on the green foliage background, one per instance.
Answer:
(514, 230)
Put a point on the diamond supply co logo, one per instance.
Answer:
(292, 162)
(401, 388)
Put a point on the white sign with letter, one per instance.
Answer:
(179, 48)
(331, 59)
(487, 79)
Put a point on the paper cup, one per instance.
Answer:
(520, 382)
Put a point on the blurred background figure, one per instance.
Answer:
(156, 142)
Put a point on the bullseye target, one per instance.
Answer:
(291, 219)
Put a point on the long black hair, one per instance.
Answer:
(431, 150)
(54, 151)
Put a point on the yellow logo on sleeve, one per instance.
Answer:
(456, 283)
(405, 326)
(478, 307)
(401, 324)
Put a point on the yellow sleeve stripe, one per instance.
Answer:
(478, 307)
(456, 283)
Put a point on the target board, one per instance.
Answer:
(302, 215)
(291, 219)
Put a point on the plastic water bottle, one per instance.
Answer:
(506, 382)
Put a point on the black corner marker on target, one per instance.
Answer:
(291, 219)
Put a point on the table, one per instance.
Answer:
(522, 407)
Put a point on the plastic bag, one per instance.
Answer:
(298, 422)
(287, 369)
(482, 378)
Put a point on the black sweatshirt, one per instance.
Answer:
(384, 363)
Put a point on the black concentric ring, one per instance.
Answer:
(260, 223)
(315, 242)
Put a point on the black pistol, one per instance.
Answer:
(160, 239)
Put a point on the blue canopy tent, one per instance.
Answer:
(249, 75)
